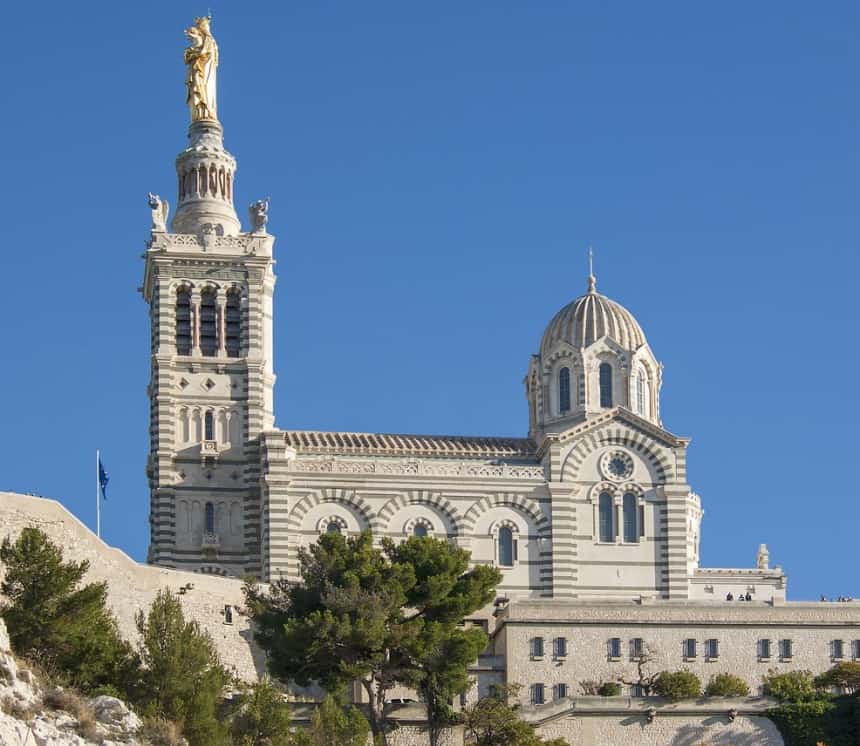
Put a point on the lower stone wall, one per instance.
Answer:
(683, 730)
(132, 586)
(622, 721)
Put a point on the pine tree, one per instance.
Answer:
(56, 621)
(333, 725)
(182, 679)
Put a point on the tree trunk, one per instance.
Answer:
(376, 700)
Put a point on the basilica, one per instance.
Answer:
(590, 515)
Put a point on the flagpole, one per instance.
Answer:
(98, 501)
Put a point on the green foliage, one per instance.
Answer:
(261, 717)
(609, 689)
(675, 685)
(333, 725)
(493, 721)
(844, 676)
(183, 679)
(383, 617)
(56, 621)
(802, 723)
(727, 685)
(793, 686)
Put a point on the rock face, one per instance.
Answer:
(26, 721)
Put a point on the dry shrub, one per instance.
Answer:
(17, 709)
(157, 731)
(87, 726)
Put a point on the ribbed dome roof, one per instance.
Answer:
(590, 317)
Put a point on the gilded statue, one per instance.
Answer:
(201, 58)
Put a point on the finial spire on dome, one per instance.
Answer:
(592, 280)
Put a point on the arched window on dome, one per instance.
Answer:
(605, 511)
(507, 547)
(629, 513)
(183, 321)
(640, 393)
(419, 530)
(605, 374)
(333, 527)
(564, 390)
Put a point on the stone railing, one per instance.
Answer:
(210, 541)
(417, 467)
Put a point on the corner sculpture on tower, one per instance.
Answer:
(209, 286)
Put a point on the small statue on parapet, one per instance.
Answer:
(160, 208)
(259, 214)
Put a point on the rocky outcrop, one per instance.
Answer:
(31, 715)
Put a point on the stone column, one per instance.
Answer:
(221, 301)
(618, 515)
(195, 322)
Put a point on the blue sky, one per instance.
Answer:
(436, 173)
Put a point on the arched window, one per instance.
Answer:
(605, 510)
(640, 393)
(419, 530)
(564, 390)
(233, 323)
(209, 425)
(605, 385)
(507, 547)
(183, 321)
(631, 530)
(210, 518)
(208, 324)
(333, 527)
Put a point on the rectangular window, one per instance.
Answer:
(559, 691)
(636, 690)
(837, 649)
(636, 648)
(537, 696)
(856, 647)
(560, 647)
(764, 649)
(615, 647)
(641, 521)
(785, 649)
(537, 647)
(712, 648)
(689, 648)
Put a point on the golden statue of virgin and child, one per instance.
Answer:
(201, 59)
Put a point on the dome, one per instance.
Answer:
(590, 317)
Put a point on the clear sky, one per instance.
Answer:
(436, 173)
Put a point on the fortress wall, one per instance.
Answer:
(132, 586)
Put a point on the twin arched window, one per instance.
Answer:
(564, 390)
(232, 324)
(605, 380)
(631, 518)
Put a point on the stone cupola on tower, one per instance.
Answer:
(593, 357)
(210, 288)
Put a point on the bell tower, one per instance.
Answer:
(209, 287)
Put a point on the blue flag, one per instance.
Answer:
(103, 479)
